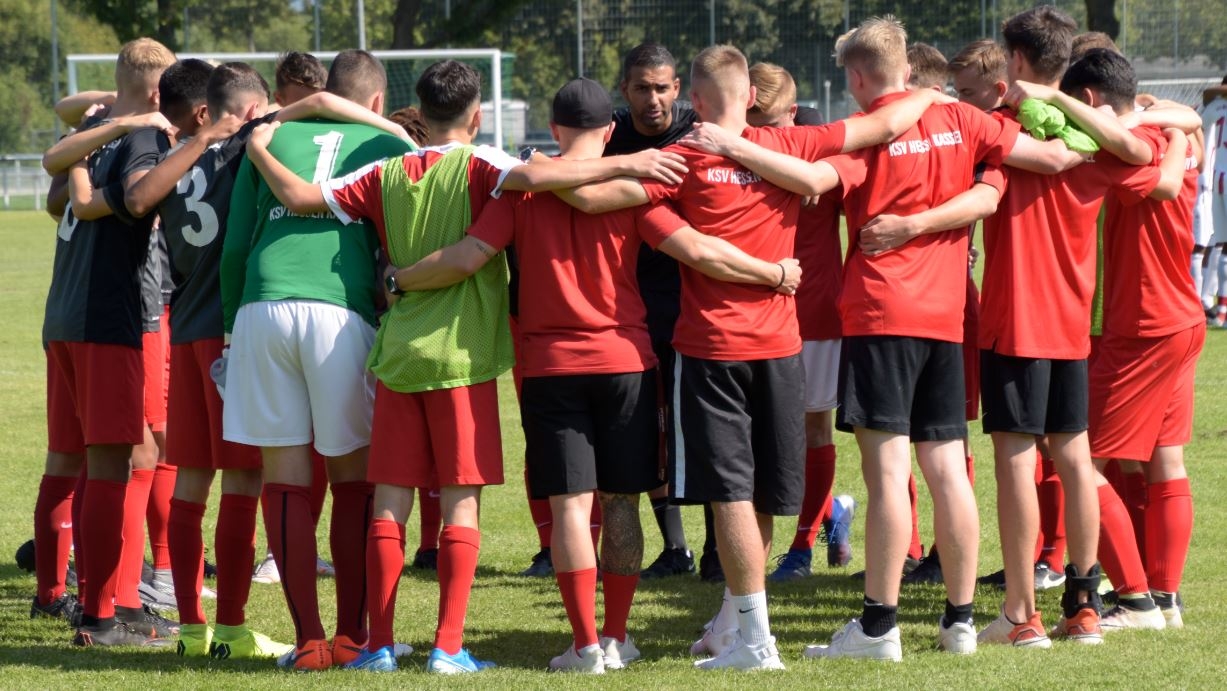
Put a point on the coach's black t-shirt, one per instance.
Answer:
(660, 284)
(95, 294)
(194, 223)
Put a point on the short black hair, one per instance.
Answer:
(356, 75)
(228, 81)
(1107, 72)
(647, 55)
(182, 87)
(302, 69)
(1045, 37)
(446, 90)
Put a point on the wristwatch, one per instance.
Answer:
(391, 285)
(526, 154)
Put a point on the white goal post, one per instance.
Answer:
(94, 72)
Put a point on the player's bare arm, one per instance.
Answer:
(145, 194)
(325, 105)
(298, 195)
(890, 121)
(780, 169)
(545, 174)
(71, 110)
(722, 260)
(78, 145)
(88, 202)
(1164, 114)
(57, 196)
(1172, 167)
(1103, 127)
(1043, 157)
(447, 266)
(605, 196)
(888, 231)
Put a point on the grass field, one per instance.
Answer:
(519, 623)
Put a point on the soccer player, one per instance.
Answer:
(298, 294)
(1210, 217)
(436, 418)
(95, 372)
(298, 76)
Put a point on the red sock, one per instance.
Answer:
(102, 530)
(819, 479)
(594, 525)
(132, 556)
(619, 594)
(1169, 527)
(578, 590)
(291, 537)
(78, 534)
(430, 515)
(1133, 492)
(186, 558)
(458, 548)
(52, 534)
(1118, 552)
(1051, 541)
(543, 517)
(971, 469)
(385, 557)
(351, 516)
(235, 544)
(157, 514)
(319, 485)
(915, 550)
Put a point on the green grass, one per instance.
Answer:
(520, 623)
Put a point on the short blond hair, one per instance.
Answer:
(140, 64)
(723, 66)
(985, 57)
(878, 46)
(776, 90)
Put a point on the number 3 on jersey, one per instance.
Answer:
(195, 183)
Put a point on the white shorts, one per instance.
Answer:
(821, 362)
(297, 373)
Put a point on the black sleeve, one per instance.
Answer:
(144, 149)
(114, 195)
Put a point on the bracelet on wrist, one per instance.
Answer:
(782, 273)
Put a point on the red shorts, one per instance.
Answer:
(971, 350)
(194, 434)
(153, 353)
(93, 396)
(1141, 393)
(436, 438)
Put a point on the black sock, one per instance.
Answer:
(956, 614)
(709, 525)
(1164, 600)
(669, 520)
(877, 618)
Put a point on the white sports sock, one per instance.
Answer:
(726, 618)
(1221, 266)
(1209, 280)
(752, 617)
(1195, 269)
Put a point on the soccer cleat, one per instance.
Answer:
(426, 559)
(195, 640)
(672, 561)
(210, 570)
(929, 571)
(996, 578)
(839, 546)
(25, 556)
(589, 660)
(66, 607)
(402, 649)
(241, 643)
(312, 656)
(1029, 634)
(958, 638)
(323, 569)
(1083, 628)
(909, 565)
(462, 662)
(146, 620)
(345, 650)
(714, 643)
(792, 565)
(851, 641)
(1122, 617)
(743, 656)
(163, 583)
(1046, 577)
(115, 633)
(542, 565)
(153, 597)
(710, 570)
(618, 654)
(266, 572)
(1172, 607)
(380, 660)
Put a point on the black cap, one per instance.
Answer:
(583, 104)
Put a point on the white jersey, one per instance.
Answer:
(1210, 209)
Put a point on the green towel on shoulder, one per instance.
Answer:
(1043, 121)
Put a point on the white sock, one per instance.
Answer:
(1210, 275)
(752, 617)
(726, 618)
(1195, 269)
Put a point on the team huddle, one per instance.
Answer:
(312, 297)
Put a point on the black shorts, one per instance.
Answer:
(591, 431)
(738, 433)
(902, 385)
(1033, 395)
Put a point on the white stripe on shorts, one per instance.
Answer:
(679, 443)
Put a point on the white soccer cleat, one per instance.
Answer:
(714, 643)
(851, 641)
(1121, 618)
(619, 655)
(743, 656)
(588, 660)
(1002, 631)
(958, 638)
(266, 572)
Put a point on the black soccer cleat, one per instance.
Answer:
(115, 633)
(146, 621)
(928, 571)
(65, 607)
(426, 559)
(673, 561)
(25, 556)
(542, 566)
(710, 570)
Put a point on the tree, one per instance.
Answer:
(1101, 16)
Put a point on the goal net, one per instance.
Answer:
(1186, 91)
(503, 120)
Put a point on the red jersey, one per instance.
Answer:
(1039, 256)
(360, 194)
(1148, 290)
(579, 306)
(822, 267)
(732, 321)
(919, 289)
